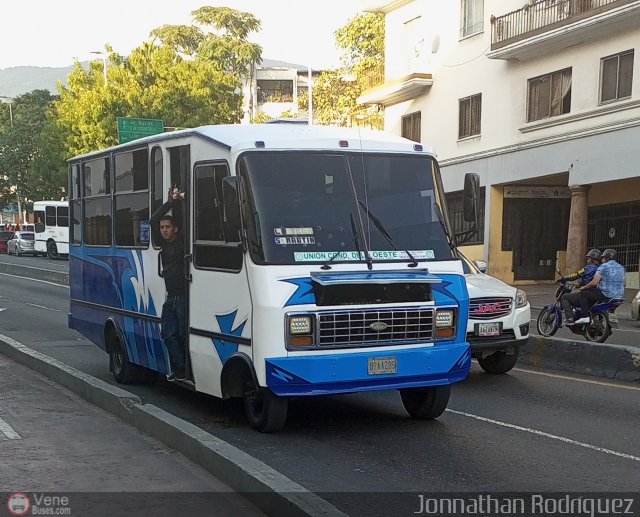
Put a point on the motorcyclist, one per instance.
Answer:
(607, 283)
(585, 275)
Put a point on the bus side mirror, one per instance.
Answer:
(39, 228)
(471, 199)
(231, 201)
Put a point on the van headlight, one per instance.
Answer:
(521, 298)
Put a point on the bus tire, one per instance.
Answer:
(52, 250)
(266, 411)
(426, 403)
(124, 371)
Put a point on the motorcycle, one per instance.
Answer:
(594, 326)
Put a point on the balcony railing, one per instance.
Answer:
(543, 16)
(373, 77)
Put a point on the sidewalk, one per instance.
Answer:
(53, 441)
(541, 295)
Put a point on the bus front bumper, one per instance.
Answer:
(353, 372)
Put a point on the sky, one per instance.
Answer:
(55, 33)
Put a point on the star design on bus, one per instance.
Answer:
(226, 348)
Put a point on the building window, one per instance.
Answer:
(549, 95)
(460, 226)
(616, 76)
(469, 116)
(411, 126)
(275, 91)
(472, 17)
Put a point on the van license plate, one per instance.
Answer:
(489, 329)
(382, 365)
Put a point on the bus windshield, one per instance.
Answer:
(306, 207)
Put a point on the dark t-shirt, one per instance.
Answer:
(172, 253)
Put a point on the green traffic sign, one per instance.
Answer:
(133, 128)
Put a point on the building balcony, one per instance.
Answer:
(387, 91)
(552, 25)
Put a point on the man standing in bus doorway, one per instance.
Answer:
(166, 233)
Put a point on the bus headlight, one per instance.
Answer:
(299, 325)
(444, 324)
(444, 319)
(521, 298)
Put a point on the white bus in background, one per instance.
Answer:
(52, 228)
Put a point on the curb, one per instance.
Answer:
(619, 362)
(269, 490)
(57, 277)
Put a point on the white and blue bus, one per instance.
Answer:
(317, 261)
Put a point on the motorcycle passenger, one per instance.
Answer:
(585, 274)
(607, 283)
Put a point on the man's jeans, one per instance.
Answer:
(569, 301)
(173, 330)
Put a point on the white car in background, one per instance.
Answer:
(499, 317)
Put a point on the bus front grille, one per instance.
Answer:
(378, 327)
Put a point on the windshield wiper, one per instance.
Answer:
(385, 233)
(452, 239)
(356, 239)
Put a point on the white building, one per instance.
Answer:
(543, 101)
(274, 89)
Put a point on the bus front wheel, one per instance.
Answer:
(124, 371)
(52, 250)
(426, 403)
(266, 412)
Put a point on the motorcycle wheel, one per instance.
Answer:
(599, 329)
(547, 322)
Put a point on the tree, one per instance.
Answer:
(335, 92)
(219, 37)
(22, 145)
(153, 82)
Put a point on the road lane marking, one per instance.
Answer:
(577, 379)
(546, 435)
(34, 280)
(8, 431)
(37, 268)
(42, 307)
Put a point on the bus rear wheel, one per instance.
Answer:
(266, 412)
(426, 403)
(52, 250)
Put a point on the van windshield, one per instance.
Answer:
(302, 207)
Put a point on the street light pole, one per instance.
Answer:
(104, 63)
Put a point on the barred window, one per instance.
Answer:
(454, 205)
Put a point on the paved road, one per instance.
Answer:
(53, 441)
(529, 430)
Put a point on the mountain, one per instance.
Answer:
(22, 79)
(17, 80)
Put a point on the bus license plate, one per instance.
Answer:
(382, 365)
(489, 329)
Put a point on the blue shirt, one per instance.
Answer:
(612, 283)
(589, 273)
